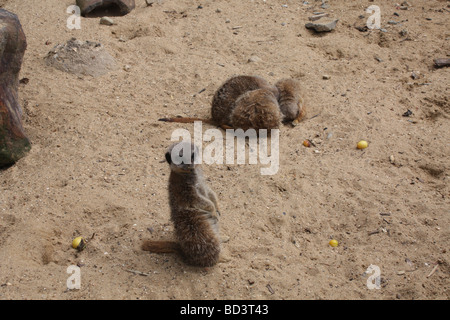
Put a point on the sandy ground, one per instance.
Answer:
(96, 168)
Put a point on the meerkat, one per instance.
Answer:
(252, 102)
(194, 210)
(291, 101)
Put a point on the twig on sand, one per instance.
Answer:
(434, 270)
(270, 289)
(138, 272)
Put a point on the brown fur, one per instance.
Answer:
(257, 109)
(291, 100)
(225, 98)
(194, 213)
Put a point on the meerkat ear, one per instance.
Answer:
(168, 157)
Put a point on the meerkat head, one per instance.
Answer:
(182, 156)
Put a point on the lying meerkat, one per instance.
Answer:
(291, 100)
(252, 102)
(194, 210)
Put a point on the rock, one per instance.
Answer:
(81, 58)
(442, 62)
(326, 77)
(106, 21)
(322, 25)
(13, 142)
(392, 159)
(88, 7)
(403, 33)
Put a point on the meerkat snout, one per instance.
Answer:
(182, 156)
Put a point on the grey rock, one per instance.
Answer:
(81, 58)
(322, 25)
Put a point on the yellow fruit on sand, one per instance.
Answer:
(78, 243)
(333, 243)
(362, 144)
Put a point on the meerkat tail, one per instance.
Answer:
(160, 246)
(186, 120)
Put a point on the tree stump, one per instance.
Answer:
(13, 142)
(88, 7)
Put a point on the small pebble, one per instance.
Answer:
(322, 25)
(326, 77)
(107, 21)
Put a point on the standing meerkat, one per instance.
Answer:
(194, 210)
(252, 102)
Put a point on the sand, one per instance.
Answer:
(96, 168)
